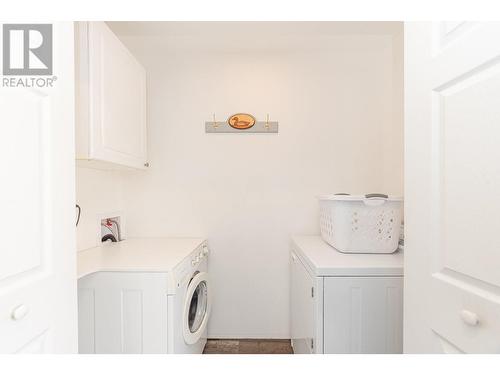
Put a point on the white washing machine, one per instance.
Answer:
(190, 305)
(145, 296)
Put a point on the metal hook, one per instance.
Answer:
(215, 123)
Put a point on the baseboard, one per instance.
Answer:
(215, 336)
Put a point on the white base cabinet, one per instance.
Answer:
(122, 312)
(363, 315)
(110, 100)
(345, 314)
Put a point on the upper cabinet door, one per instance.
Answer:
(113, 89)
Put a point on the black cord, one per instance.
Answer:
(108, 237)
(79, 212)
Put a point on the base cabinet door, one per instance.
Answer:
(363, 315)
(302, 308)
(122, 312)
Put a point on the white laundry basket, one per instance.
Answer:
(361, 224)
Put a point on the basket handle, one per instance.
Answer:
(376, 195)
(375, 199)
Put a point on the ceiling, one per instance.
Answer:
(252, 36)
(183, 29)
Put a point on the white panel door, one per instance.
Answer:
(37, 220)
(363, 315)
(117, 84)
(302, 307)
(452, 132)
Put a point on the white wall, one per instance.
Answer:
(98, 193)
(394, 130)
(340, 131)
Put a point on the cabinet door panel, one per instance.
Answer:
(363, 314)
(122, 312)
(302, 308)
(117, 100)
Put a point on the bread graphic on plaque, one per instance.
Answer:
(241, 121)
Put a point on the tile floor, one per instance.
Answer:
(248, 346)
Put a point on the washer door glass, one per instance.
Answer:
(197, 307)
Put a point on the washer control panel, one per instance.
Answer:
(199, 254)
(183, 272)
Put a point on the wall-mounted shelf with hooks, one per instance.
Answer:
(241, 123)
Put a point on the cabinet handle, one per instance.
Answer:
(146, 164)
(19, 312)
(470, 318)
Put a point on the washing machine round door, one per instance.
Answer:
(196, 308)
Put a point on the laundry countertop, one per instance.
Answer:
(324, 260)
(136, 255)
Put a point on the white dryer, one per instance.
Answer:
(144, 296)
(344, 303)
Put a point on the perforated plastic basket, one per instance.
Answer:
(361, 224)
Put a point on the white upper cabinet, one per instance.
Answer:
(111, 100)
